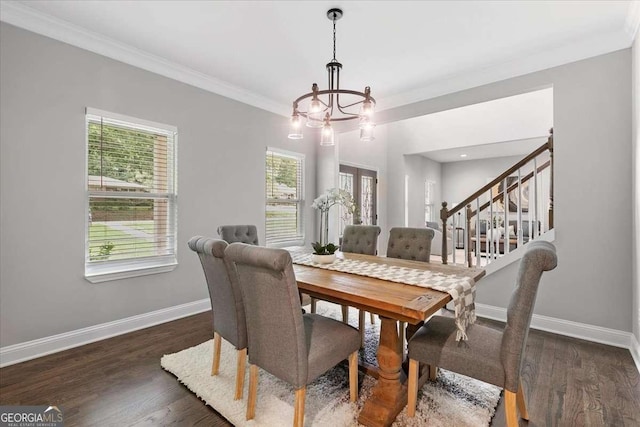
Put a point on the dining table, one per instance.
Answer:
(393, 302)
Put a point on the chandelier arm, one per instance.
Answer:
(328, 91)
(350, 105)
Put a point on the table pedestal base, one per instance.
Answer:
(389, 395)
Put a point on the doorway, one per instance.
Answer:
(362, 185)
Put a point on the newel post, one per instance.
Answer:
(550, 145)
(444, 215)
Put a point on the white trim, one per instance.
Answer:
(635, 351)
(564, 327)
(632, 22)
(524, 63)
(133, 122)
(359, 166)
(96, 274)
(17, 353)
(30, 19)
(293, 154)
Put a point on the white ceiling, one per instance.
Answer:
(266, 53)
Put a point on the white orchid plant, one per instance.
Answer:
(332, 197)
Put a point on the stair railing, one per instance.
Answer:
(497, 207)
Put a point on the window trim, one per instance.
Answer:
(429, 183)
(98, 272)
(300, 241)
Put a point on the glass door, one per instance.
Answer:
(362, 184)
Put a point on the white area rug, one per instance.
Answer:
(452, 400)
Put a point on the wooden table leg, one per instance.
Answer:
(389, 394)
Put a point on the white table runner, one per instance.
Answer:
(461, 289)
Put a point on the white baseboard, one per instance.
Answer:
(17, 353)
(565, 327)
(635, 351)
(22, 352)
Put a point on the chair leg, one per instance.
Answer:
(361, 327)
(253, 391)
(373, 319)
(313, 304)
(433, 372)
(401, 328)
(217, 343)
(298, 413)
(241, 358)
(412, 388)
(521, 401)
(510, 411)
(345, 314)
(353, 376)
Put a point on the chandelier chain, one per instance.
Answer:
(334, 37)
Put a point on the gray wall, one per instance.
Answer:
(45, 86)
(419, 169)
(592, 127)
(460, 179)
(636, 187)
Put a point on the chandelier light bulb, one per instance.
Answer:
(327, 135)
(295, 127)
(366, 129)
(366, 123)
(314, 115)
(367, 109)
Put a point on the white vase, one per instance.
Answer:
(323, 259)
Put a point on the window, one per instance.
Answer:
(428, 200)
(285, 189)
(131, 197)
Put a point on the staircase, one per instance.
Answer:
(503, 215)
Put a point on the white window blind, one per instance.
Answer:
(284, 189)
(131, 197)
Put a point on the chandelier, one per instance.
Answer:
(324, 107)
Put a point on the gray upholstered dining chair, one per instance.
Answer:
(410, 243)
(226, 303)
(357, 239)
(239, 233)
(360, 239)
(489, 355)
(294, 347)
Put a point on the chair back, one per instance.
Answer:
(433, 224)
(239, 233)
(410, 243)
(226, 300)
(275, 327)
(540, 256)
(360, 239)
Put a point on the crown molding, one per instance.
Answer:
(49, 26)
(30, 19)
(524, 63)
(632, 22)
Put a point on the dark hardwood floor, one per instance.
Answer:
(119, 381)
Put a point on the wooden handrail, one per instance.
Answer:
(513, 186)
(445, 213)
(502, 176)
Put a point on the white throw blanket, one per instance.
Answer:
(461, 289)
